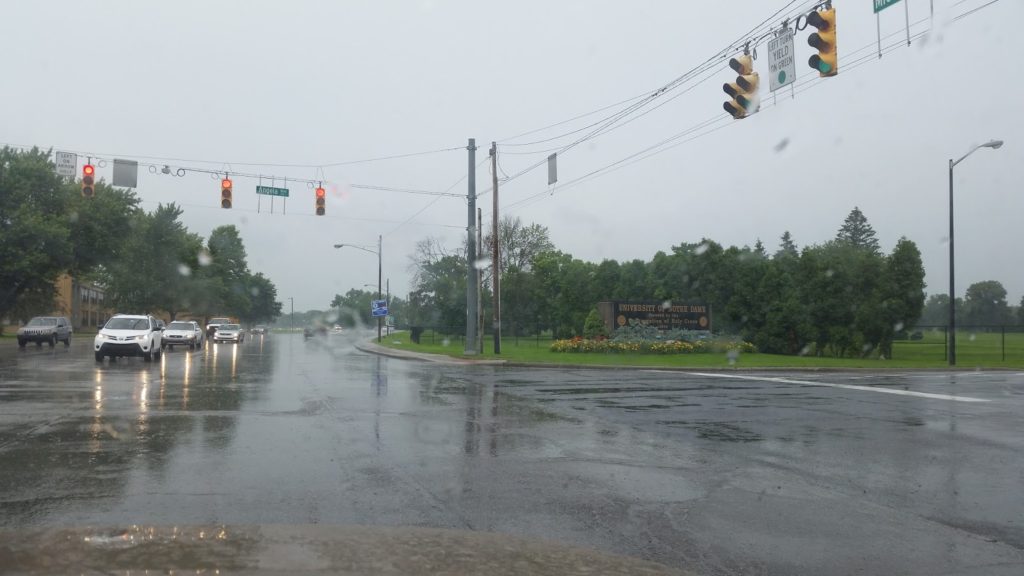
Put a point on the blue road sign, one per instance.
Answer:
(379, 308)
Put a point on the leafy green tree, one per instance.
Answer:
(228, 271)
(440, 294)
(354, 307)
(787, 247)
(35, 243)
(263, 304)
(857, 232)
(98, 226)
(985, 304)
(1020, 312)
(593, 326)
(902, 292)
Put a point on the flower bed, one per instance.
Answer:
(584, 345)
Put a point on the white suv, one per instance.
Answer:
(129, 335)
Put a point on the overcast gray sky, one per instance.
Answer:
(321, 82)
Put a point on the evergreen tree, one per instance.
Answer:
(857, 232)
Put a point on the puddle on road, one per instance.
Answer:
(718, 431)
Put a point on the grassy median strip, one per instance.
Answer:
(974, 351)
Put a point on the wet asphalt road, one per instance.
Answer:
(718, 473)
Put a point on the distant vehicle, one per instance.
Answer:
(229, 333)
(258, 329)
(129, 335)
(184, 333)
(336, 330)
(214, 323)
(307, 332)
(49, 329)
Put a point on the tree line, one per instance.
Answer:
(145, 261)
(844, 297)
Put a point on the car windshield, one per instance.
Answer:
(127, 324)
(712, 284)
(42, 322)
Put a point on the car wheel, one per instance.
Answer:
(39, 343)
(99, 357)
(53, 340)
(148, 356)
(67, 341)
(21, 343)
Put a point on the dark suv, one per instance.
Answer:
(49, 329)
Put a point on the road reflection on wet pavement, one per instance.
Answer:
(806, 474)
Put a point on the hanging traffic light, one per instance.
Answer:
(321, 201)
(826, 61)
(744, 90)
(225, 193)
(88, 181)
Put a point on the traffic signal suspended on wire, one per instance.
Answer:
(88, 181)
(826, 61)
(225, 193)
(744, 90)
(321, 201)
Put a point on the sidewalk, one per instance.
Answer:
(374, 348)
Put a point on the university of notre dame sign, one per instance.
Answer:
(665, 316)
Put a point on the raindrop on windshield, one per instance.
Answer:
(255, 291)
(204, 258)
(701, 249)
(666, 305)
(482, 264)
(898, 326)
(733, 356)
(184, 270)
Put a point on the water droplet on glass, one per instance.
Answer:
(73, 217)
(782, 145)
(255, 291)
(973, 337)
(445, 342)
(733, 356)
(898, 326)
(865, 348)
(829, 273)
(331, 317)
(805, 350)
(701, 249)
(666, 305)
(204, 258)
(482, 264)
(184, 270)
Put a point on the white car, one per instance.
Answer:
(229, 333)
(129, 335)
(184, 333)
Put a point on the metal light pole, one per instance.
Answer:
(291, 322)
(994, 144)
(378, 252)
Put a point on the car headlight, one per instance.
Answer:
(142, 337)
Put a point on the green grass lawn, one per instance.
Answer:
(974, 351)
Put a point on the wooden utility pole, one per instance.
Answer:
(496, 257)
(480, 279)
(472, 275)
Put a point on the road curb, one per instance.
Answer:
(373, 348)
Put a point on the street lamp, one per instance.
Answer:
(994, 144)
(379, 274)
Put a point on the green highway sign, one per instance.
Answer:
(883, 4)
(271, 191)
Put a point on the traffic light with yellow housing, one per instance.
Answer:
(225, 193)
(321, 201)
(826, 61)
(744, 90)
(88, 181)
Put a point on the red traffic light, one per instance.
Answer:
(320, 192)
(88, 181)
(225, 193)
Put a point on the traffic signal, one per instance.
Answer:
(826, 62)
(744, 90)
(88, 181)
(321, 201)
(225, 193)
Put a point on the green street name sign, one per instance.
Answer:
(271, 191)
(883, 4)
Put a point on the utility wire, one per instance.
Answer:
(799, 87)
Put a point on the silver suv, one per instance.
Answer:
(49, 329)
(129, 335)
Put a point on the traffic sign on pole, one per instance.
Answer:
(781, 64)
(883, 4)
(66, 163)
(379, 308)
(272, 191)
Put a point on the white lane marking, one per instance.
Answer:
(830, 385)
